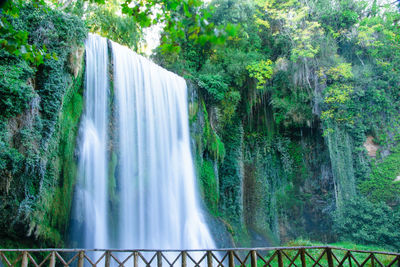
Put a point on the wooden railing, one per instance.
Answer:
(273, 256)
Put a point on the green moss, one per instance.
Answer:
(193, 112)
(69, 123)
(263, 179)
(231, 192)
(211, 140)
(341, 146)
(208, 184)
(241, 236)
(297, 155)
(291, 200)
(51, 216)
(112, 183)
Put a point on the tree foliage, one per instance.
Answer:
(363, 222)
(15, 40)
(188, 19)
(105, 19)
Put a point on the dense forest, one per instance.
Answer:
(293, 107)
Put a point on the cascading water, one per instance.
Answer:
(91, 191)
(157, 205)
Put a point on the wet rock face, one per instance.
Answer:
(75, 60)
(371, 147)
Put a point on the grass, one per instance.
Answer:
(314, 254)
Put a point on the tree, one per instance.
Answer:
(16, 41)
(361, 221)
(188, 19)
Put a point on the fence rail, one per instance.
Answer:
(273, 256)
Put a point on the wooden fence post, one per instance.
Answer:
(81, 258)
(135, 259)
(329, 257)
(24, 259)
(52, 259)
(209, 259)
(349, 258)
(231, 259)
(253, 256)
(184, 257)
(108, 258)
(280, 260)
(303, 257)
(159, 259)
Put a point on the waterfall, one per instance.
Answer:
(157, 205)
(91, 191)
